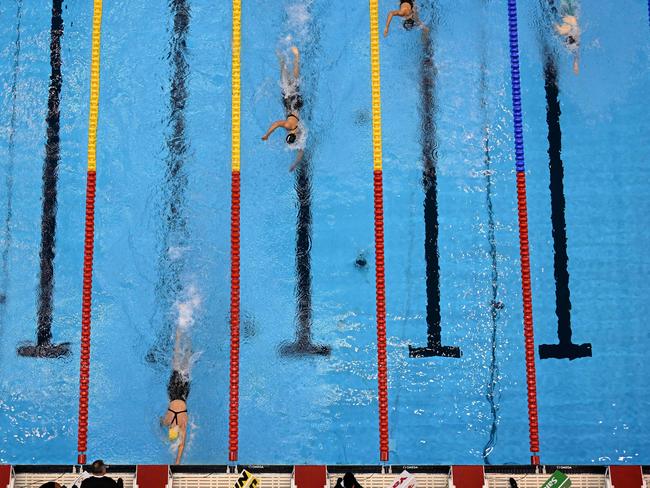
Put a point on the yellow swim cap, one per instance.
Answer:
(173, 433)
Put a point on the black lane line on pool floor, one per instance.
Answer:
(9, 176)
(175, 233)
(44, 346)
(492, 393)
(303, 344)
(565, 349)
(428, 105)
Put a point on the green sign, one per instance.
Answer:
(557, 480)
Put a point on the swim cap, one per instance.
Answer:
(409, 24)
(291, 138)
(173, 433)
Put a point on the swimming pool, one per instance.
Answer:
(162, 233)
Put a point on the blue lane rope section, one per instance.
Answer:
(516, 85)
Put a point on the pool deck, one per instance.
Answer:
(222, 476)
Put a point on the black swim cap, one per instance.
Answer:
(409, 24)
(291, 138)
(571, 40)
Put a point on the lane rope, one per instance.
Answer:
(89, 238)
(233, 417)
(382, 367)
(522, 211)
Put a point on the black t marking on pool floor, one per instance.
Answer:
(303, 345)
(428, 74)
(44, 346)
(175, 234)
(565, 349)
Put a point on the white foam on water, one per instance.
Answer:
(186, 309)
(298, 20)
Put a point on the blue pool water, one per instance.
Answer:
(162, 233)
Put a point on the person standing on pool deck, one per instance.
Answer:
(292, 105)
(570, 30)
(408, 11)
(178, 390)
(97, 478)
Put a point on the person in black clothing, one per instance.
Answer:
(52, 484)
(98, 479)
(348, 481)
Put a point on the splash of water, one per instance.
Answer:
(186, 310)
(298, 20)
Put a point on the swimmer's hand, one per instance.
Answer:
(386, 32)
(299, 157)
(265, 137)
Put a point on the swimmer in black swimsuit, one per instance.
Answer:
(292, 101)
(406, 10)
(178, 391)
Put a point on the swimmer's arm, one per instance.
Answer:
(181, 445)
(391, 14)
(274, 125)
(576, 64)
(299, 157)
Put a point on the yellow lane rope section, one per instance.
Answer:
(376, 85)
(236, 83)
(94, 86)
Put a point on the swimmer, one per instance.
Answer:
(292, 104)
(406, 10)
(178, 389)
(570, 30)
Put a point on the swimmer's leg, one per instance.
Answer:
(296, 62)
(284, 73)
(182, 352)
